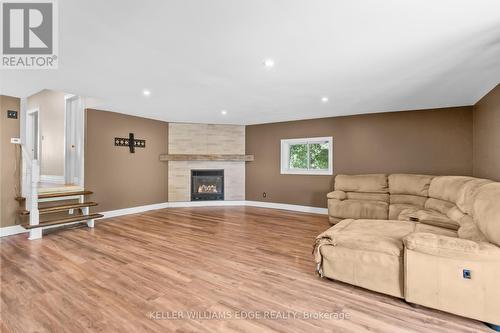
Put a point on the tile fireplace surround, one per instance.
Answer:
(205, 139)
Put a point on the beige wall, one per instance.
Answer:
(9, 161)
(205, 139)
(487, 136)
(118, 178)
(51, 117)
(426, 141)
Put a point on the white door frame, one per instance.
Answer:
(29, 133)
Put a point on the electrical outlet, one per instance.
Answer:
(16, 141)
(467, 274)
(11, 114)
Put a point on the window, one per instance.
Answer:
(310, 156)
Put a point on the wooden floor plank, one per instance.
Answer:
(225, 260)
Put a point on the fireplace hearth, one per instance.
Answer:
(207, 185)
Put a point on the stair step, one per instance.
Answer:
(57, 195)
(62, 208)
(59, 208)
(23, 212)
(62, 221)
(63, 194)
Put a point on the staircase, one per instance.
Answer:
(60, 206)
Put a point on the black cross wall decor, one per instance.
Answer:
(130, 142)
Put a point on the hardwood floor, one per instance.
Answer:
(136, 273)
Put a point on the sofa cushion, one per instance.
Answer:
(396, 209)
(452, 247)
(376, 183)
(372, 270)
(455, 214)
(486, 211)
(468, 193)
(339, 195)
(430, 217)
(422, 227)
(441, 206)
(358, 209)
(415, 200)
(371, 235)
(469, 230)
(409, 184)
(440, 245)
(368, 196)
(447, 188)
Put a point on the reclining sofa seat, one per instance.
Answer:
(429, 199)
(438, 245)
(358, 197)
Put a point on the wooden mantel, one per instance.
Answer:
(207, 157)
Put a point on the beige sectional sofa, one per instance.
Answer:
(433, 241)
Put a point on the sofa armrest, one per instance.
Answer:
(441, 245)
(339, 195)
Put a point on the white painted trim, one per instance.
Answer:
(12, 230)
(52, 179)
(285, 156)
(133, 210)
(17, 229)
(35, 234)
(296, 208)
(172, 204)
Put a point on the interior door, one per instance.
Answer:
(33, 134)
(74, 141)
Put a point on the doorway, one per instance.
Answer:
(33, 133)
(74, 133)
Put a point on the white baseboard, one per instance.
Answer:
(171, 204)
(133, 210)
(52, 179)
(17, 229)
(12, 230)
(296, 208)
(174, 204)
(180, 204)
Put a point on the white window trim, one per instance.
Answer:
(285, 151)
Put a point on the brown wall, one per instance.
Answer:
(118, 178)
(487, 136)
(426, 141)
(9, 161)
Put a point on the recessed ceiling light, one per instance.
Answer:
(146, 92)
(269, 63)
(324, 99)
(223, 112)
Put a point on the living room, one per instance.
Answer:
(324, 166)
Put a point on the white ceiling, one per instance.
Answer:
(198, 57)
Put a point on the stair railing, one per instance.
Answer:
(31, 177)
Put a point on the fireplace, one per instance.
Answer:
(207, 185)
